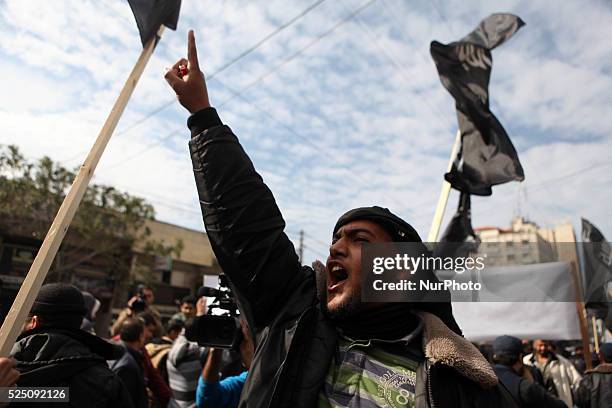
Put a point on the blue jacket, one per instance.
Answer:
(220, 394)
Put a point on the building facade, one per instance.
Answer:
(524, 242)
(172, 277)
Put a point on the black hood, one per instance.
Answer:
(50, 356)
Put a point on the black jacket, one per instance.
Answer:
(595, 388)
(130, 369)
(294, 341)
(48, 357)
(526, 393)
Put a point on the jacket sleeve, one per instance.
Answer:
(120, 395)
(123, 315)
(534, 395)
(220, 394)
(156, 383)
(582, 398)
(243, 222)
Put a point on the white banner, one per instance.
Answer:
(484, 321)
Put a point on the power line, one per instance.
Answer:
(147, 148)
(399, 69)
(220, 69)
(267, 37)
(545, 183)
(324, 152)
(301, 50)
(435, 6)
(540, 185)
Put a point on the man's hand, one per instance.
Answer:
(201, 307)
(8, 374)
(189, 83)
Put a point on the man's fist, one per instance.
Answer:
(188, 81)
(8, 374)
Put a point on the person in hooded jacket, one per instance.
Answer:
(54, 352)
(320, 348)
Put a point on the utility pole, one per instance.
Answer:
(301, 247)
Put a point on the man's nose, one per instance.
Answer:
(338, 248)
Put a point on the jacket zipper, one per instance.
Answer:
(432, 404)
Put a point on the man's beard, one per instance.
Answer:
(349, 307)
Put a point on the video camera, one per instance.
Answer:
(140, 303)
(219, 331)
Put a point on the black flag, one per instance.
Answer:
(597, 267)
(459, 238)
(486, 156)
(151, 14)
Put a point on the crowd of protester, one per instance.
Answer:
(134, 368)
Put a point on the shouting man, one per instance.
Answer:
(323, 349)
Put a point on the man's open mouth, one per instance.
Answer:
(337, 276)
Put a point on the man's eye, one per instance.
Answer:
(361, 239)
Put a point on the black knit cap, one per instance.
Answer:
(401, 231)
(507, 344)
(398, 229)
(59, 304)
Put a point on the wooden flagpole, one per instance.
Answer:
(443, 199)
(595, 334)
(581, 311)
(16, 317)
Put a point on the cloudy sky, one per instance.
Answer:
(342, 108)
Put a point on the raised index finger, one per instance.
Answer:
(192, 54)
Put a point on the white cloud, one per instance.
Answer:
(367, 96)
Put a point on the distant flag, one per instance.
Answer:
(486, 156)
(597, 267)
(459, 238)
(151, 14)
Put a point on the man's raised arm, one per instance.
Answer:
(243, 222)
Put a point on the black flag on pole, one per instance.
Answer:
(151, 14)
(597, 267)
(459, 238)
(486, 156)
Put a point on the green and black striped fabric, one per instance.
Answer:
(365, 376)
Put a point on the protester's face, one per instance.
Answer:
(343, 269)
(173, 334)
(188, 309)
(148, 332)
(541, 347)
(148, 295)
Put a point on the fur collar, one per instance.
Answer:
(442, 345)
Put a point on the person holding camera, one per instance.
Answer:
(142, 301)
(320, 348)
(213, 392)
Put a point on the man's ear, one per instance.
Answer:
(32, 323)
